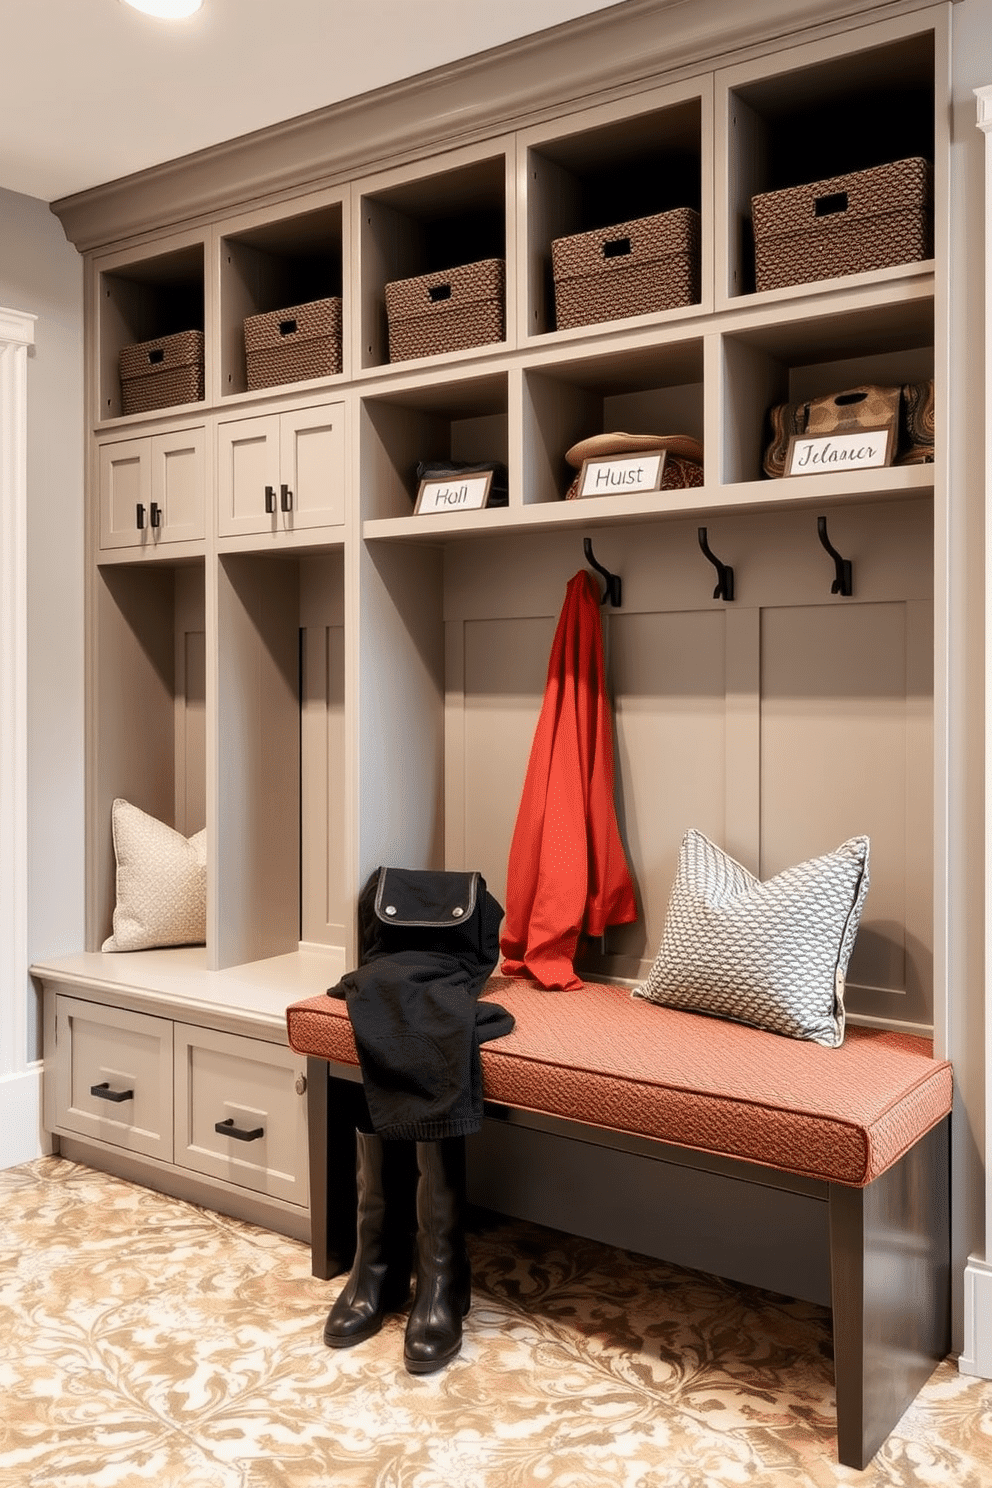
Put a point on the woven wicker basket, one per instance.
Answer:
(162, 373)
(847, 224)
(446, 311)
(635, 268)
(293, 344)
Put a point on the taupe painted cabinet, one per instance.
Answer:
(328, 682)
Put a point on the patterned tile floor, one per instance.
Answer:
(150, 1342)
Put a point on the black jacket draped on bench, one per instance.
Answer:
(428, 944)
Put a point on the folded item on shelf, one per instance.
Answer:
(683, 456)
(908, 408)
(499, 490)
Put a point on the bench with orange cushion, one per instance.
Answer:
(864, 1127)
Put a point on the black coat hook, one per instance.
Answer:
(844, 580)
(613, 586)
(725, 574)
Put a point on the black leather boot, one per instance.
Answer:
(444, 1279)
(379, 1281)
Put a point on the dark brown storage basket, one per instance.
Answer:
(162, 373)
(850, 224)
(635, 268)
(294, 344)
(447, 311)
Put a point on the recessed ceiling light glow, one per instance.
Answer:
(168, 10)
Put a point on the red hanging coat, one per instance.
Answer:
(567, 872)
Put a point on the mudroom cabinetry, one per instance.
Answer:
(328, 681)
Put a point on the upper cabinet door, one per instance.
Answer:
(152, 490)
(312, 485)
(281, 472)
(248, 475)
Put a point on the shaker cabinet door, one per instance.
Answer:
(152, 490)
(248, 476)
(312, 442)
(125, 493)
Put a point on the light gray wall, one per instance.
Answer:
(40, 273)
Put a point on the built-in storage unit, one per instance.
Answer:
(291, 656)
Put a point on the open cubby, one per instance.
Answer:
(599, 178)
(150, 709)
(273, 266)
(426, 226)
(460, 420)
(849, 113)
(141, 301)
(651, 390)
(888, 344)
(280, 851)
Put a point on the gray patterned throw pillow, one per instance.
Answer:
(771, 954)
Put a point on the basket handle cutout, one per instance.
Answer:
(287, 327)
(439, 292)
(616, 247)
(158, 355)
(843, 399)
(827, 206)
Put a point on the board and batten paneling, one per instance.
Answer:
(779, 724)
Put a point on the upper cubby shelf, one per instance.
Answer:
(288, 269)
(415, 225)
(848, 112)
(600, 178)
(145, 300)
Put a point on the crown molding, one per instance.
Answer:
(490, 92)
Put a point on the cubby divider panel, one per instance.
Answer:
(150, 710)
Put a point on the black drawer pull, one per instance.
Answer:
(616, 247)
(270, 499)
(156, 514)
(104, 1092)
(285, 498)
(826, 206)
(228, 1129)
(439, 292)
(139, 516)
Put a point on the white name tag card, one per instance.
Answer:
(620, 475)
(861, 449)
(453, 493)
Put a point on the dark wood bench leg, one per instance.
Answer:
(890, 1279)
(333, 1108)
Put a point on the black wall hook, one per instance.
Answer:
(613, 585)
(844, 580)
(724, 573)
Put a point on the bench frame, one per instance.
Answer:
(889, 1254)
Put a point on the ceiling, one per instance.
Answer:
(93, 90)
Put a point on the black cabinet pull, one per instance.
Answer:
(156, 514)
(270, 499)
(286, 498)
(104, 1092)
(228, 1129)
(139, 515)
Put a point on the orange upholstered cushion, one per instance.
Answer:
(597, 1055)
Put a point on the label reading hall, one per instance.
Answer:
(860, 449)
(453, 494)
(618, 475)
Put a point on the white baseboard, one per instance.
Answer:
(976, 1357)
(22, 1137)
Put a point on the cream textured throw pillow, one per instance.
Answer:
(161, 883)
(771, 954)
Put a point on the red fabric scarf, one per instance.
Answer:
(567, 872)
